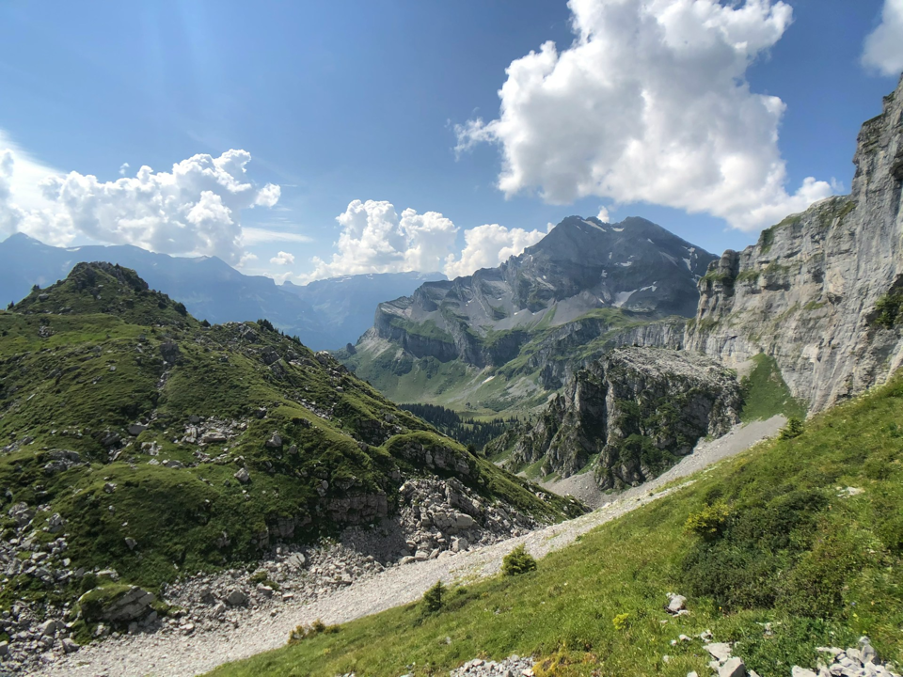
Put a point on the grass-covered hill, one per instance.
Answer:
(157, 444)
(803, 534)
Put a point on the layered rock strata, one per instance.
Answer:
(633, 413)
(811, 292)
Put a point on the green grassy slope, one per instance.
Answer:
(788, 545)
(511, 383)
(86, 358)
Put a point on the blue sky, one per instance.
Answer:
(366, 101)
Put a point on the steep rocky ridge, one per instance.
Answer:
(807, 292)
(141, 444)
(529, 323)
(631, 415)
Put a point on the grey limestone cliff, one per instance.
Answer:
(807, 292)
(633, 414)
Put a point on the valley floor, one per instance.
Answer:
(266, 629)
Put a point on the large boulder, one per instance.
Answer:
(118, 603)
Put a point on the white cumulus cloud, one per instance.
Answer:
(123, 169)
(488, 246)
(603, 215)
(883, 49)
(375, 239)
(283, 259)
(650, 103)
(195, 209)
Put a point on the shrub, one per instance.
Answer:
(620, 621)
(434, 597)
(301, 631)
(710, 522)
(793, 429)
(518, 561)
(889, 307)
(88, 582)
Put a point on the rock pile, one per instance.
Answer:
(512, 666)
(439, 516)
(855, 661)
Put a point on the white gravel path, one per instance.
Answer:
(149, 654)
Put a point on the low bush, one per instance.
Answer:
(709, 522)
(518, 561)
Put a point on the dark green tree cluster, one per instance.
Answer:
(468, 432)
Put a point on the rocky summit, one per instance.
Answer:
(535, 319)
(142, 445)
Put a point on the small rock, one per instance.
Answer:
(236, 598)
(720, 651)
(676, 604)
(868, 653)
(800, 672)
(131, 543)
(733, 667)
(242, 476)
(70, 646)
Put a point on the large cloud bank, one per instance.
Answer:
(650, 103)
(195, 209)
(883, 49)
(374, 238)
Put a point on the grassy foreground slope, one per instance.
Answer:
(780, 538)
(128, 425)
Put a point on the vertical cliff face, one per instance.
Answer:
(632, 414)
(810, 293)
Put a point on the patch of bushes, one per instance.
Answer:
(709, 522)
(518, 562)
(302, 632)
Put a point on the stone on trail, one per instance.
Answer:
(70, 646)
(236, 598)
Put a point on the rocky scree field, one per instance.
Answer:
(143, 446)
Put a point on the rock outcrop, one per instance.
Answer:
(807, 292)
(632, 414)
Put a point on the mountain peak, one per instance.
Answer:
(102, 287)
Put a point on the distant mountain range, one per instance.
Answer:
(326, 314)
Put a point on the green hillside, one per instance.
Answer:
(128, 427)
(804, 533)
